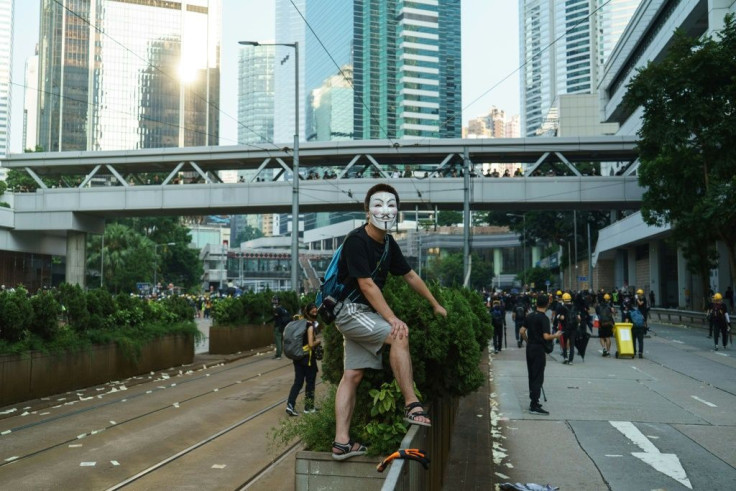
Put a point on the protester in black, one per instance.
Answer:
(535, 332)
(305, 369)
(281, 317)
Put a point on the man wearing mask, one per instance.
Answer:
(365, 319)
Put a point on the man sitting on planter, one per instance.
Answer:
(365, 319)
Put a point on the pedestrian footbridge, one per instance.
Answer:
(77, 191)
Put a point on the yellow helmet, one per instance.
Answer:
(559, 293)
(717, 297)
(606, 297)
(640, 292)
(566, 297)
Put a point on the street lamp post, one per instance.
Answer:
(295, 170)
(155, 258)
(523, 246)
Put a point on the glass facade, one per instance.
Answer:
(6, 62)
(563, 47)
(255, 94)
(128, 74)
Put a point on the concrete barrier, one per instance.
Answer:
(226, 340)
(34, 375)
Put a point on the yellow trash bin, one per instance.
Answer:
(624, 340)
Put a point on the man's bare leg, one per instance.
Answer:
(345, 403)
(400, 359)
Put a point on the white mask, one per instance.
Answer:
(382, 210)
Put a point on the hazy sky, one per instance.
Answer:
(490, 50)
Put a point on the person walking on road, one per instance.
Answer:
(305, 369)
(568, 320)
(281, 317)
(518, 316)
(535, 331)
(498, 320)
(367, 323)
(721, 321)
(606, 314)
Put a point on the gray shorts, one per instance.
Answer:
(365, 332)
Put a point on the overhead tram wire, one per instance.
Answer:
(199, 96)
(394, 143)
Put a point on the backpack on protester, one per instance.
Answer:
(519, 313)
(331, 291)
(294, 339)
(637, 318)
(604, 315)
(497, 317)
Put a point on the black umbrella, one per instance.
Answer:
(581, 343)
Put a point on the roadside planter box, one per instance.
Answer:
(226, 340)
(34, 375)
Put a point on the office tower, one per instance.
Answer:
(396, 61)
(6, 62)
(128, 74)
(563, 45)
(255, 94)
(30, 103)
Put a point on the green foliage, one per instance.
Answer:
(316, 430)
(536, 276)
(100, 306)
(687, 140)
(74, 306)
(15, 315)
(445, 354)
(447, 270)
(178, 309)
(3, 187)
(45, 320)
(386, 427)
(247, 233)
(449, 217)
(252, 308)
(227, 311)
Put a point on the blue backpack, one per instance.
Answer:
(636, 318)
(331, 291)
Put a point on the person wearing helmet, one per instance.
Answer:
(568, 319)
(721, 321)
(641, 303)
(606, 315)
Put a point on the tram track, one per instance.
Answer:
(198, 398)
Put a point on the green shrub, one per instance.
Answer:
(74, 306)
(15, 315)
(101, 306)
(227, 311)
(45, 319)
(179, 307)
(445, 355)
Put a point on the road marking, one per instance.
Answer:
(613, 455)
(678, 341)
(703, 401)
(665, 463)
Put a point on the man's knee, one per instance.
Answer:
(352, 377)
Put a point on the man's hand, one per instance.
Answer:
(399, 329)
(440, 310)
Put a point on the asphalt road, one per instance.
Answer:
(667, 421)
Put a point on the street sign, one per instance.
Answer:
(547, 282)
(582, 278)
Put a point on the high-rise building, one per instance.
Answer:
(6, 62)
(255, 94)
(393, 67)
(127, 74)
(30, 103)
(563, 46)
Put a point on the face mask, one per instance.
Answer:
(383, 211)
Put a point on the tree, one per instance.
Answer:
(687, 141)
(449, 217)
(127, 258)
(247, 233)
(448, 270)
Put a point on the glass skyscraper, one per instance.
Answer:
(6, 62)
(372, 69)
(563, 46)
(255, 94)
(128, 74)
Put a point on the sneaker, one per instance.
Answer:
(641, 355)
(311, 410)
(569, 362)
(538, 410)
(290, 410)
(276, 357)
(565, 362)
(518, 343)
(715, 348)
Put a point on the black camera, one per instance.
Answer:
(327, 310)
(319, 352)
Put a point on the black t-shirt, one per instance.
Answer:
(536, 325)
(360, 255)
(563, 310)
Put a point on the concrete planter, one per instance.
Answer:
(226, 340)
(319, 471)
(34, 375)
